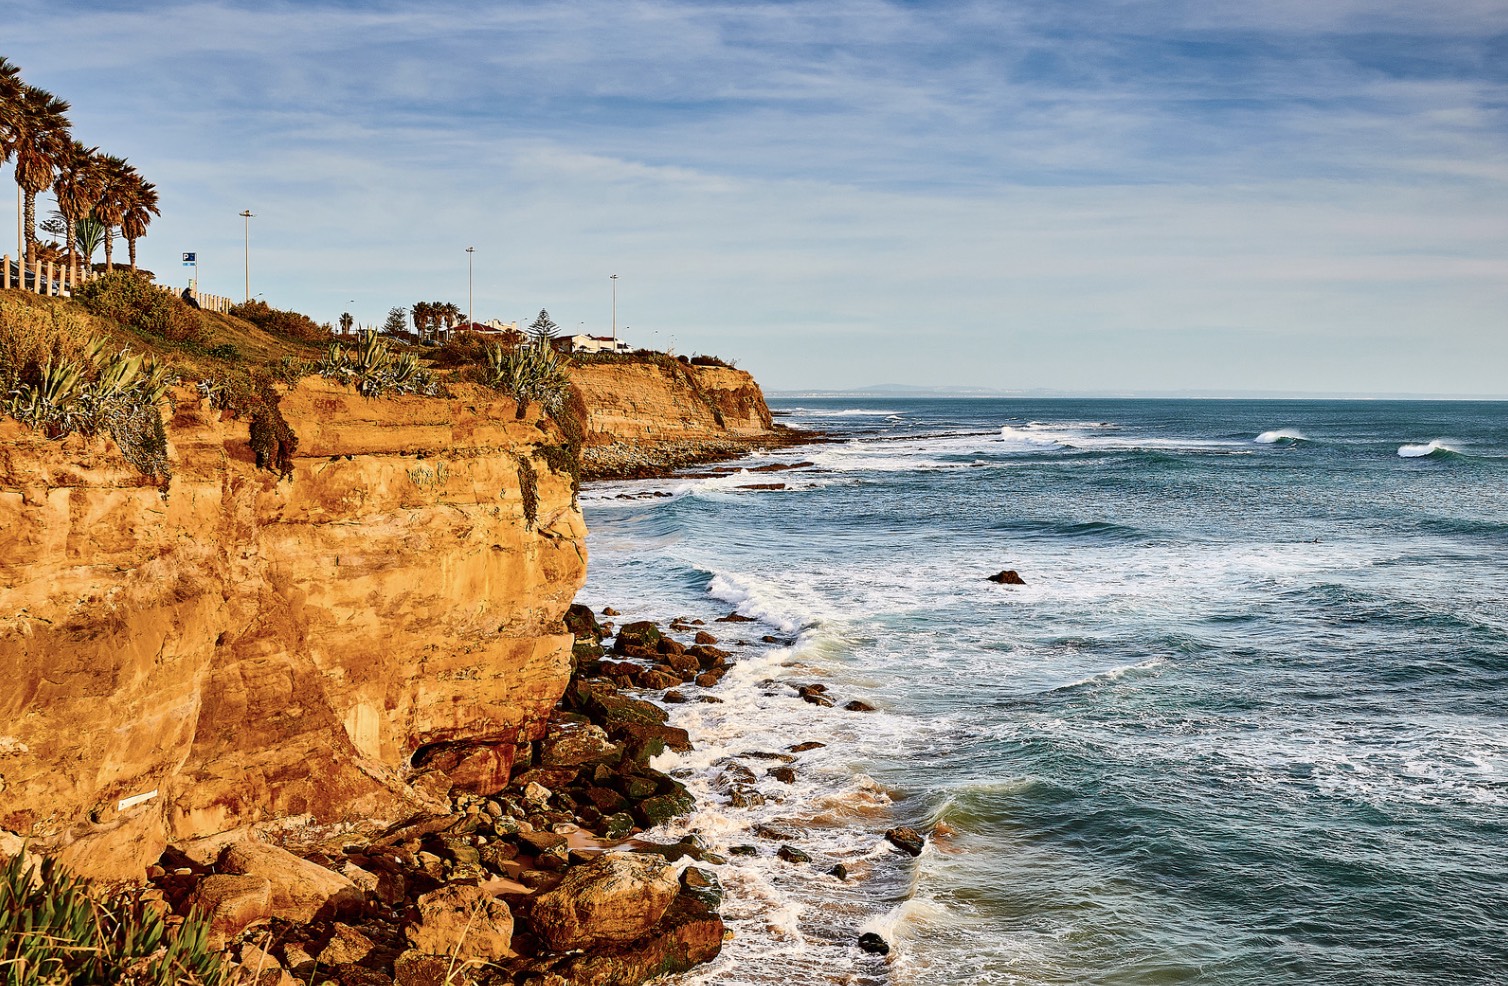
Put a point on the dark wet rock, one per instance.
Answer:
(874, 944)
(703, 637)
(735, 618)
(710, 699)
(609, 611)
(821, 701)
(808, 745)
(580, 621)
(732, 773)
(675, 697)
(778, 831)
(641, 633)
(708, 657)
(817, 689)
(1008, 577)
(767, 755)
(791, 854)
(618, 825)
(684, 664)
(857, 706)
(786, 775)
(743, 850)
(702, 885)
(663, 807)
(657, 680)
(906, 839)
(642, 741)
(691, 847)
(745, 796)
(838, 870)
(707, 679)
(769, 639)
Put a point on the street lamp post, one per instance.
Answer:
(614, 279)
(470, 307)
(246, 256)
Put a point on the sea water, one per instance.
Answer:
(1246, 721)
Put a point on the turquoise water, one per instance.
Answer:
(1245, 723)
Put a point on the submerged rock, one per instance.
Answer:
(874, 944)
(1008, 577)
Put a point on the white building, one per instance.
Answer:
(597, 344)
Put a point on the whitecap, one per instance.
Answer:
(1281, 436)
(1437, 446)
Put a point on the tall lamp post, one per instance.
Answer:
(614, 279)
(246, 256)
(470, 308)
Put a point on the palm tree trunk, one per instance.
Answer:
(71, 229)
(30, 223)
(131, 245)
(109, 245)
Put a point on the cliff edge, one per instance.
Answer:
(244, 649)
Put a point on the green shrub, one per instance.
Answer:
(130, 299)
(289, 324)
(56, 928)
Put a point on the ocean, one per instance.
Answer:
(1245, 722)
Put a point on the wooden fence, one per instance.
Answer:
(54, 279)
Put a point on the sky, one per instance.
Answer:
(1067, 196)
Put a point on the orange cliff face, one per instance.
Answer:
(255, 650)
(655, 402)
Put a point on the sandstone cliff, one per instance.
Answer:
(246, 650)
(644, 417)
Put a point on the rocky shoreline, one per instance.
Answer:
(658, 459)
(544, 880)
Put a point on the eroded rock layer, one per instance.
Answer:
(248, 650)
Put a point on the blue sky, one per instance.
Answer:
(1090, 196)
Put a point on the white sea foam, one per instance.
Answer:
(847, 413)
(1421, 451)
(1281, 436)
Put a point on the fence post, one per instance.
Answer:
(5, 278)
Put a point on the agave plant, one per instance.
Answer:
(528, 373)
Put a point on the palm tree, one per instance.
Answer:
(78, 187)
(141, 206)
(37, 133)
(114, 200)
(346, 321)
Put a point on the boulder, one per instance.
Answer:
(793, 855)
(703, 637)
(232, 903)
(464, 921)
(1008, 577)
(734, 618)
(808, 745)
(572, 744)
(642, 633)
(615, 898)
(690, 933)
(416, 968)
(301, 891)
(857, 706)
(346, 946)
(580, 621)
(874, 944)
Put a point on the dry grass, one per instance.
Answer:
(35, 330)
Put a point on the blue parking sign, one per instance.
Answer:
(190, 259)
